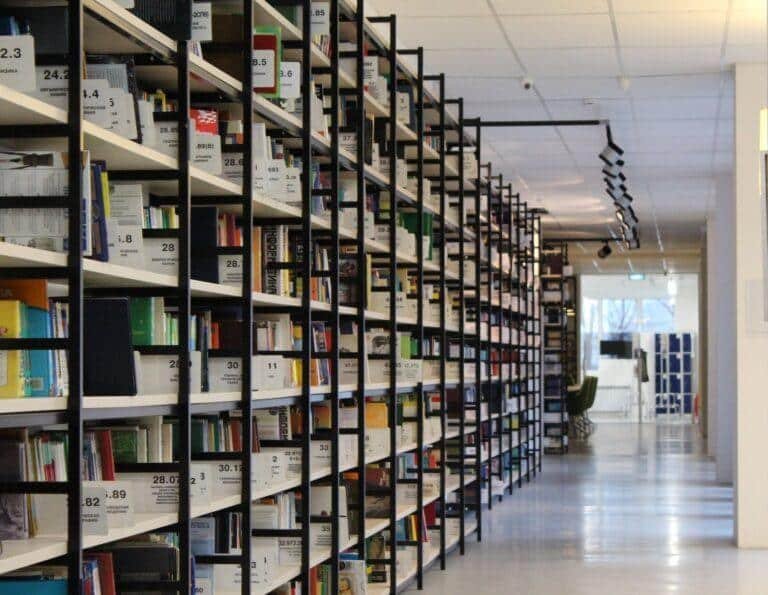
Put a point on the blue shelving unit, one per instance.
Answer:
(674, 366)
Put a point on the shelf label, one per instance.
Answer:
(118, 498)
(290, 80)
(321, 18)
(276, 179)
(263, 69)
(231, 269)
(292, 191)
(161, 255)
(163, 492)
(52, 84)
(96, 99)
(126, 244)
(200, 483)
(94, 512)
(232, 168)
(202, 30)
(206, 152)
(269, 372)
(228, 475)
(17, 62)
(224, 373)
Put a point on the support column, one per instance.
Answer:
(751, 480)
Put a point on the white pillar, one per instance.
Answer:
(721, 323)
(751, 480)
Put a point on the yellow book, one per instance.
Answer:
(105, 194)
(376, 414)
(12, 362)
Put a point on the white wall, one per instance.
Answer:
(721, 321)
(751, 479)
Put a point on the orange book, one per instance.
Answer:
(376, 414)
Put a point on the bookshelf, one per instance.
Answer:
(452, 255)
(673, 373)
(555, 345)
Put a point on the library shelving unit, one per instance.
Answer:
(553, 292)
(673, 373)
(349, 370)
(571, 282)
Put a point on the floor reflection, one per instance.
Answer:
(634, 510)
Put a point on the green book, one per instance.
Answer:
(198, 435)
(125, 445)
(142, 320)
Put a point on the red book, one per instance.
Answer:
(266, 65)
(107, 457)
(430, 514)
(106, 572)
(206, 121)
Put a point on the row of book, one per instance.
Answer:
(146, 558)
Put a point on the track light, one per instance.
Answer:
(605, 251)
(617, 184)
(612, 152)
(623, 202)
(613, 171)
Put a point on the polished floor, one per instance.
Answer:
(636, 511)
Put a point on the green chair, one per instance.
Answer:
(577, 404)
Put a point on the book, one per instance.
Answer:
(109, 365)
(13, 367)
(33, 293)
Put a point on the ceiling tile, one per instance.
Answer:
(656, 61)
(573, 109)
(507, 110)
(634, 6)
(521, 134)
(559, 31)
(480, 89)
(448, 8)
(482, 62)
(579, 88)
(747, 27)
(570, 62)
(685, 85)
(704, 108)
(438, 33)
(675, 29)
(545, 7)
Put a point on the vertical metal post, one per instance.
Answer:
(246, 404)
(392, 58)
(184, 297)
(420, 311)
(462, 335)
(362, 276)
(306, 276)
(75, 282)
(444, 348)
(334, 321)
(478, 338)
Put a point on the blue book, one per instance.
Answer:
(34, 294)
(33, 586)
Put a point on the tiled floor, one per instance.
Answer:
(636, 511)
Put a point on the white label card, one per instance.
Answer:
(53, 85)
(94, 511)
(233, 166)
(118, 498)
(231, 269)
(202, 30)
(206, 152)
(263, 68)
(321, 18)
(17, 62)
(164, 490)
(126, 244)
(161, 255)
(290, 80)
(95, 95)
